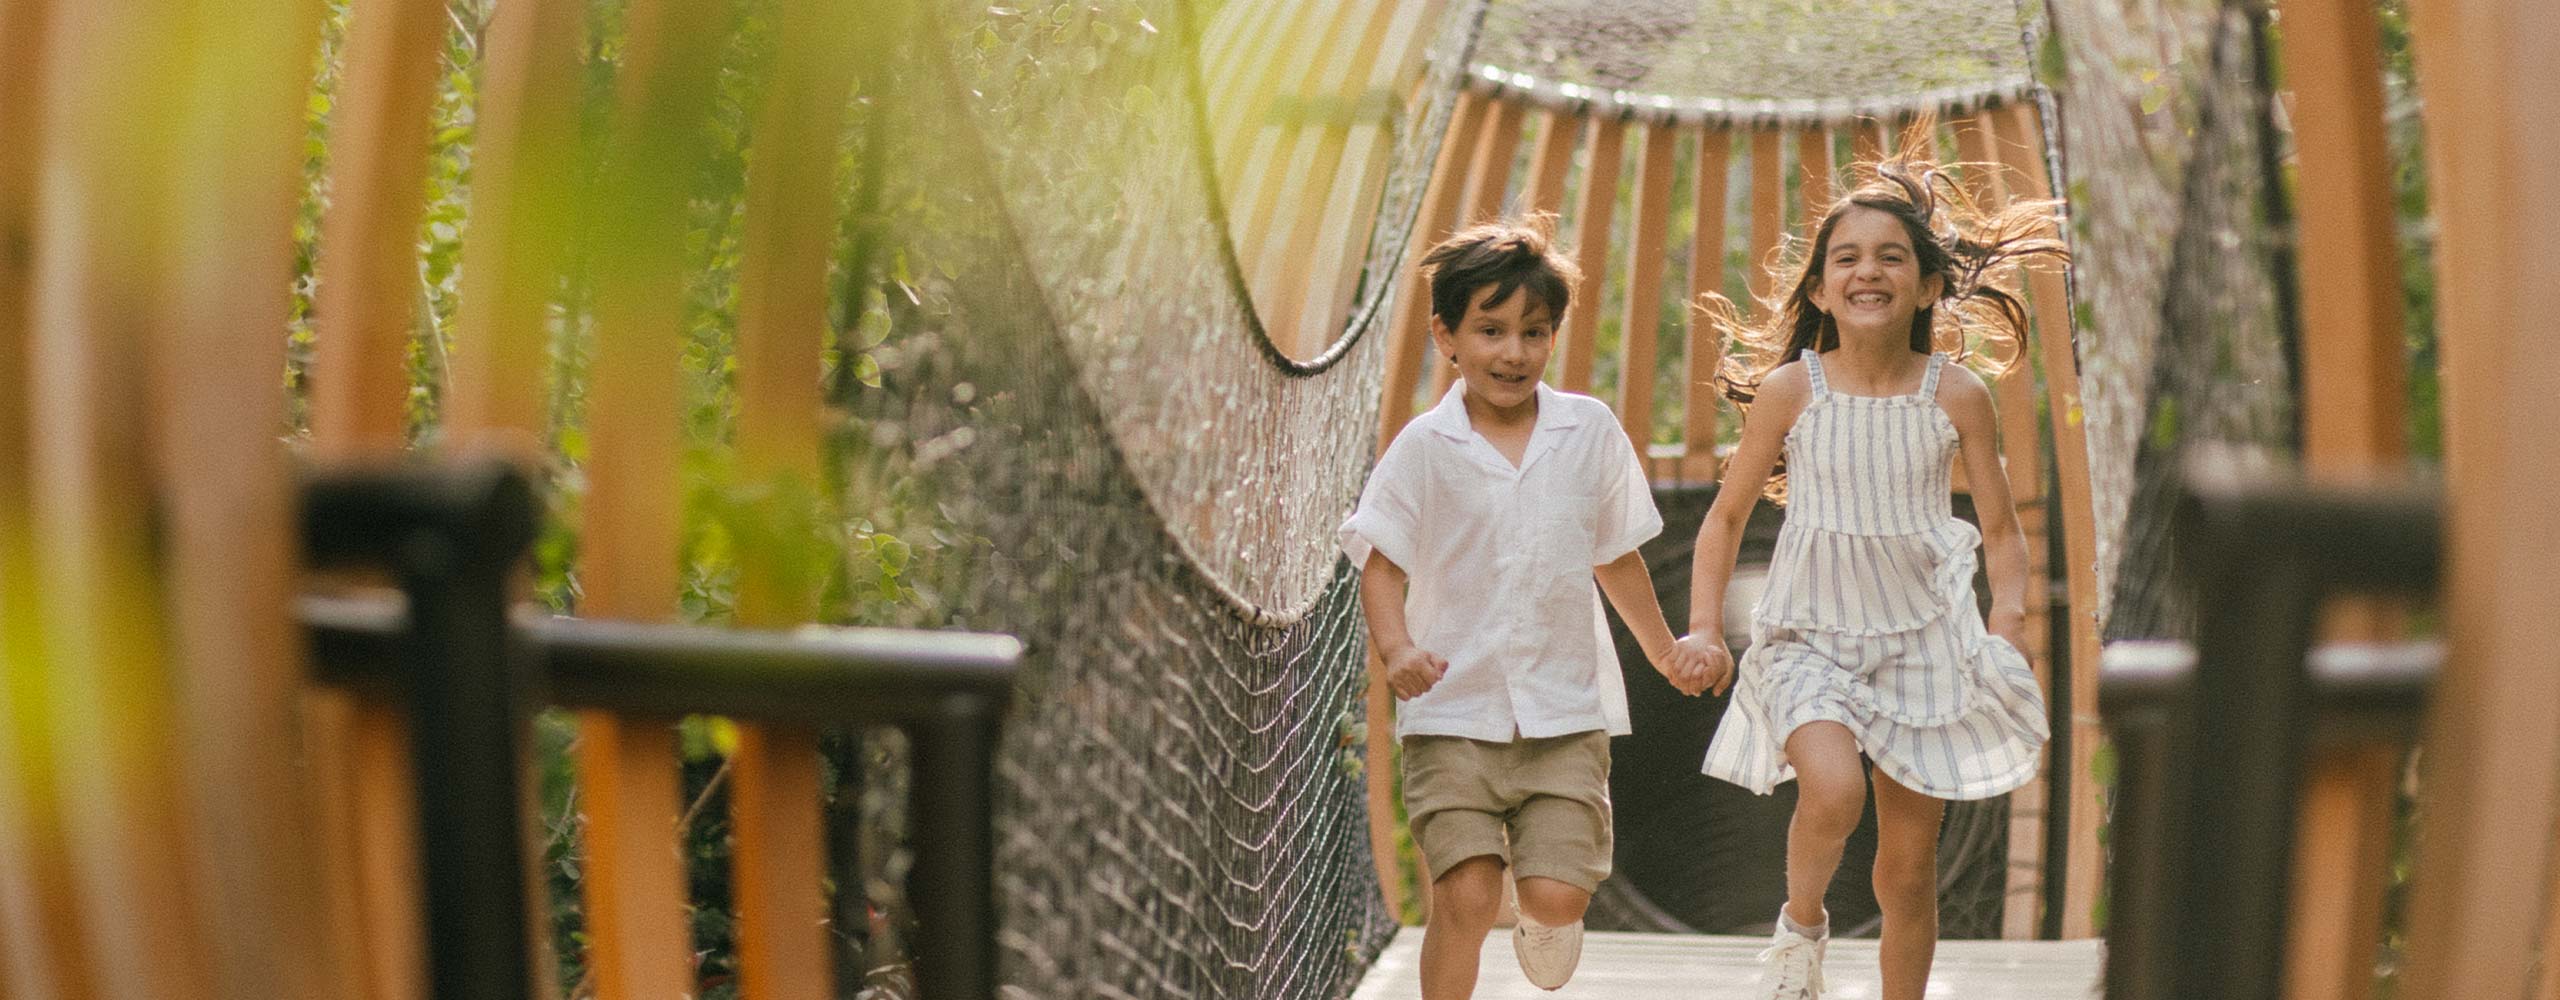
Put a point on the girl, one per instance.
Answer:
(1866, 642)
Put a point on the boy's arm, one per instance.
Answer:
(1630, 588)
(1410, 669)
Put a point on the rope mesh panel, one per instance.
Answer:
(1756, 50)
(2182, 345)
(1146, 493)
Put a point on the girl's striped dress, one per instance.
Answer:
(1868, 619)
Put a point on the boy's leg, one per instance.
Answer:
(1831, 794)
(1456, 816)
(1907, 885)
(1561, 849)
(1464, 902)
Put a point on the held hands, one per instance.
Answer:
(1411, 671)
(1696, 664)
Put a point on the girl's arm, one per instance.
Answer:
(2004, 546)
(1764, 437)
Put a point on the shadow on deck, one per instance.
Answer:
(1627, 966)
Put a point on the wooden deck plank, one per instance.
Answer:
(1628, 966)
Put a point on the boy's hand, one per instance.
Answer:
(1411, 671)
(1710, 663)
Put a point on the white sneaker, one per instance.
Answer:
(1791, 968)
(1548, 955)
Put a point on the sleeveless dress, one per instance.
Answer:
(1868, 617)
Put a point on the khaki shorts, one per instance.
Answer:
(1541, 805)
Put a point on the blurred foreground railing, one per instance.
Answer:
(2228, 748)
(471, 673)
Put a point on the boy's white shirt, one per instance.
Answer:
(1499, 563)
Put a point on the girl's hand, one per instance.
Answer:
(1715, 663)
(1702, 664)
(1411, 671)
(2009, 624)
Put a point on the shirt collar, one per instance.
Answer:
(1449, 418)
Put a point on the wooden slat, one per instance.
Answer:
(364, 320)
(1975, 148)
(2021, 448)
(226, 521)
(780, 841)
(1813, 166)
(631, 540)
(2492, 761)
(104, 254)
(1559, 134)
(1488, 169)
(365, 309)
(2354, 386)
(1868, 140)
(1706, 275)
(524, 198)
(43, 951)
(1274, 168)
(1288, 259)
(1768, 213)
(1272, 71)
(1234, 26)
(1643, 318)
(1409, 328)
(1488, 176)
(1369, 150)
(2052, 314)
(1593, 214)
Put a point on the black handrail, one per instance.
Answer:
(2213, 746)
(478, 673)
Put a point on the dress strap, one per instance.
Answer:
(1929, 379)
(1813, 371)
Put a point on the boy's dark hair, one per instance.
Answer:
(1506, 255)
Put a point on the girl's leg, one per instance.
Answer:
(1907, 885)
(1464, 902)
(1831, 793)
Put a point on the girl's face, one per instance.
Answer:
(1500, 349)
(1871, 279)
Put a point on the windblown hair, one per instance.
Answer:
(1977, 250)
(1509, 256)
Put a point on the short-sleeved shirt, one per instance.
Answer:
(1499, 565)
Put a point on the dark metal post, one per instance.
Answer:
(452, 541)
(952, 887)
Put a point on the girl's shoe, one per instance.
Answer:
(1791, 968)
(1547, 955)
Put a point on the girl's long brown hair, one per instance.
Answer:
(1978, 251)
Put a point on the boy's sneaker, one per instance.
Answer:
(1547, 955)
(1791, 968)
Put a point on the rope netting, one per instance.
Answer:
(1741, 61)
(2177, 266)
(1148, 493)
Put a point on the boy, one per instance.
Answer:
(1498, 507)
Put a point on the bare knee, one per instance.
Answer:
(1469, 896)
(1552, 902)
(1907, 881)
(1830, 809)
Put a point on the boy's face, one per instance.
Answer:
(1500, 349)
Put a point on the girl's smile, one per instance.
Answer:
(1870, 279)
